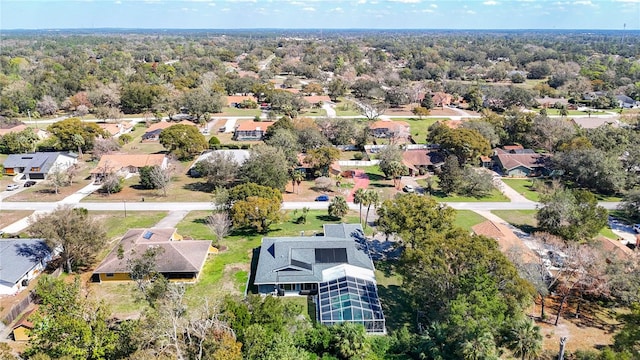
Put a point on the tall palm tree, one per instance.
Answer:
(371, 197)
(526, 340)
(296, 179)
(358, 198)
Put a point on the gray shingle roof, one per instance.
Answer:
(19, 256)
(294, 259)
(39, 160)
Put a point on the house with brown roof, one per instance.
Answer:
(419, 161)
(42, 134)
(116, 129)
(316, 100)
(22, 328)
(235, 100)
(507, 240)
(441, 99)
(153, 131)
(126, 164)
(549, 102)
(515, 161)
(178, 259)
(389, 128)
(251, 130)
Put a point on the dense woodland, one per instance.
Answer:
(464, 298)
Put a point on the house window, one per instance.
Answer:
(109, 274)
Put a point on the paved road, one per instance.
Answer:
(192, 206)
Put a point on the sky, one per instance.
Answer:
(320, 14)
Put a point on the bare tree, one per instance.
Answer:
(323, 183)
(160, 178)
(73, 170)
(82, 110)
(57, 178)
(47, 106)
(372, 110)
(104, 146)
(219, 223)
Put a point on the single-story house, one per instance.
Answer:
(626, 102)
(125, 164)
(549, 102)
(441, 99)
(116, 129)
(234, 100)
(240, 156)
(179, 260)
(420, 160)
(595, 122)
(251, 130)
(22, 328)
(21, 260)
(39, 164)
(506, 238)
(336, 268)
(153, 131)
(389, 128)
(517, 162)
(314, 100)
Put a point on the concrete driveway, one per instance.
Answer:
(408, 180)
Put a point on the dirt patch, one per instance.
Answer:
(228, 282)
(9, 217)
(592, 330)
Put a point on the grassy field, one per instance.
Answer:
(524, 187)
(346, 108)
(419, 127)
(494, 196)
(314, 112)
(467, 218)
(232, 111)
(117, 223)
(523, 219)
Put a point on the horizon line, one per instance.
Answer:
(322, 29)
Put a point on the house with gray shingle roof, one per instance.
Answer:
(39, 164)
(520, 162)
(20, 261)
(178, 260)
(335, 268)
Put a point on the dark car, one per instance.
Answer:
(322, 198)
(29, 183)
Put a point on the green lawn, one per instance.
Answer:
(608, 233)
(569, 112)
(232, 111)
(228, 271)
(395, 302)
(467, 218)
(117, 224)
(494, 196)
(523, 219)
(346, 108)
(524, 187)
(419, 127)
(314, 112)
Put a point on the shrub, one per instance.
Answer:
(358, 156)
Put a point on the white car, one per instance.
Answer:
(12, 187)
(636, 228)
(408, 189)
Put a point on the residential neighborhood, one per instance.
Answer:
(273, 200)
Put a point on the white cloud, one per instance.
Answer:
(297, 3)
(435, 6)
(225, 9)
(490, 3)
(361, 2)
(627, 1)
(407, 1)
(471, 12)
(211, 4)
(309, 8)
(583, 3)
(338, 10)
(118, 2)
(428, 11)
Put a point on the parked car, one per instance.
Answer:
(636, 228)
(29, 183)
(408, 189)
(322, 198)
(12, 187)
